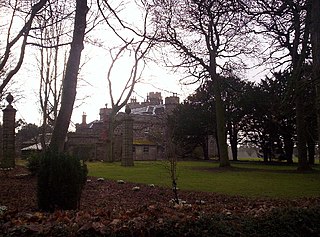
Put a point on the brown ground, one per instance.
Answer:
(107, 203)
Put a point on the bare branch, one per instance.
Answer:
(24, 32)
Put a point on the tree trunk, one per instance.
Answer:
(266, 152)
(234, 149)
(298, 62)
(311, 132)
(265, 156)
(301, 132)
(70, 80)
(311, 150)
(315, 41)
(110, 143)
(221, 125)
(288, 148)
(216, 147)
(205, 148)
(233, 138)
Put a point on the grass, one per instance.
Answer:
(245, 179)
(141, 172)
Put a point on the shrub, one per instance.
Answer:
(33, 164)
(286, 222)
(61, 178)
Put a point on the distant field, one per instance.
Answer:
(245, 179)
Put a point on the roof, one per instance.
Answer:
(34, 147)
(150, 109)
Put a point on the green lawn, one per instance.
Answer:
(253, 180)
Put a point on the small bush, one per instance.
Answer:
(61, 179)
(33, 164)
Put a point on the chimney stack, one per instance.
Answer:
(84, 118)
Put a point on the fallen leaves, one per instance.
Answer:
(112, 206)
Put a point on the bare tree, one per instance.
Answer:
(52, 37)
(69, 83)
(138, 47)
(210, 38)
(51, 40)
(172, 158)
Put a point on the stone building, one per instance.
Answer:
(90, 140)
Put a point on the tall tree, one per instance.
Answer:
(260, 128)
(298, 60)
(270, 118)
(135, 46)
(69, 84)
(50, 40)
(235, 92)
(284, 112)
(287, 23)
(208, 37)
(315, 41)
(310, 112)
(191, 124)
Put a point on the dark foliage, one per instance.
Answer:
(29, 132)
(282, 222)
(61, 179)
(33, 164)
(285, 222)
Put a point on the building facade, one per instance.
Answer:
(90, 140)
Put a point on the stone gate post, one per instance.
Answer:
(8, 134)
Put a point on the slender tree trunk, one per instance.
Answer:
(311, 152)
(298, 62)
(301, 133)
(315, 41)
(265, 151)
(234, 149)
(288, 148)
(265, 155)
(110, 143)
(233, 133)
(205, 148)
(311, 134)
(69, 83)
(216, 146)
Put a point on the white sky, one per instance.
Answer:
(156, 78)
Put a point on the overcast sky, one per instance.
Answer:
(92, 86)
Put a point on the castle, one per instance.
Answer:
(90, 140)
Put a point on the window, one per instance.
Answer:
(133, 149)
(145, 149)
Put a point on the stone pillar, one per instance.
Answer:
(127, 140)
(8, 134)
